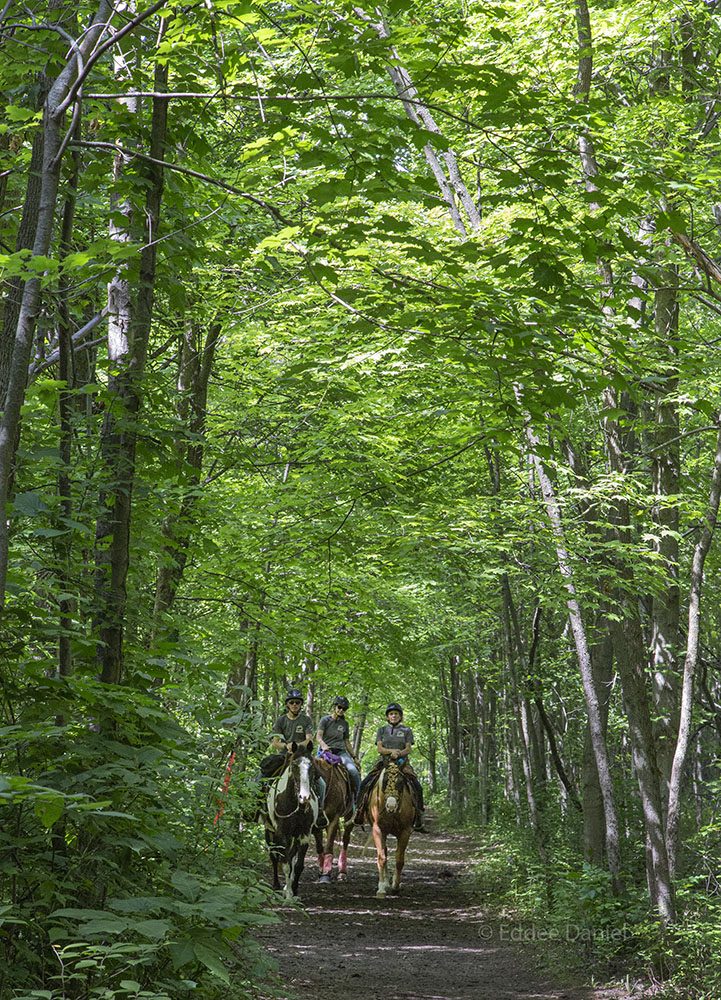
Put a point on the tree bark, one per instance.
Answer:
(53, 116)
(598, 740)
(119, 434)
(666, 475)
(631, 660)
(521, 717)
(673, 823)
(361, 716)
(24, 241)
(65, 411)
(194, 369)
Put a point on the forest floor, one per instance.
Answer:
(434, 941)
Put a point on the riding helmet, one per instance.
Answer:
(394, 707)
(294, 693)
(341, 701)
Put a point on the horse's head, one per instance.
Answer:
(301, 762)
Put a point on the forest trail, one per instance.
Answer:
(434, 941)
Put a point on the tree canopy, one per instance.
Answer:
(371, 349)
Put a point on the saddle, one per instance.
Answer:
(376, 773)
(330, 765)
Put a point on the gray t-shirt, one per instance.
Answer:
(293, 729)
(334, 732)
(394, 737)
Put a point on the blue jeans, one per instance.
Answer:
(321, 787)
(353, 771)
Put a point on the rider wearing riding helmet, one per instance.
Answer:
(292, 727)
(334, 734)
(395, 742)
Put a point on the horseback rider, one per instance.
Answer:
(394, 742)
(296, 727)
(334, 735)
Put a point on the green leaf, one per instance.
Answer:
(212, 961)
(29, 504)
(49, 811)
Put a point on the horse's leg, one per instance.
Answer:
(343, 856)
(273, 851)
(401, 857)
(319, 849)
(295, 869)
(327, 867)
(379, 839)
(289, 869)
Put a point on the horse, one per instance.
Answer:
(291, 810)
(392, 810)
(339, 805)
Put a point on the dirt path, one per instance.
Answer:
(432, 942)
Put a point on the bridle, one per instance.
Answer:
(279, 815)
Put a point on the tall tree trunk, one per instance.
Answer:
(666, 475)
(361, 716)
(592, 798)
(65, 409)
(128, 352)
(673, 825)
(194, 369)
(630, 659)
(432, 758)
(24, 241)
(630, 653)
(578, 630)
(515, 646)
(451, 697)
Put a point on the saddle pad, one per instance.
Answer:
(331, 757)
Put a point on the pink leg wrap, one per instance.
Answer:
(327, 864)
(343, 860)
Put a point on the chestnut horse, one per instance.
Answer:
(392, 810)
(338, 807)
(291, 809)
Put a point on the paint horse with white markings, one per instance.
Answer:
(392, 810)
(291, 811)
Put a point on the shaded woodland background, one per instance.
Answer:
(373, 350)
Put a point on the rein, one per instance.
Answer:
(286, 815)
(279, 815)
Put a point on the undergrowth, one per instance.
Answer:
(567, 913)
(122, 872)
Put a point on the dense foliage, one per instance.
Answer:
(380, 357)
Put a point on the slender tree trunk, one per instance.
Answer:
(24, 241)
(666, 474)
(65, 410)
(673, 825)
(592, 798)
(451, 697)
(432, 761)
(194, 369)
(53, 117)
(598, 740)
(520, 707)
(361, 716)
(119, 431)
(631, 659)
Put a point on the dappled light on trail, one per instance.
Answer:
(433, 941)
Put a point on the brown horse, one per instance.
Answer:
(338, 807)
(291, 809)
(392, 810)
